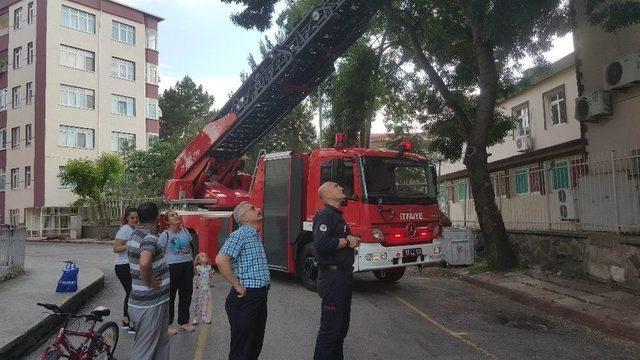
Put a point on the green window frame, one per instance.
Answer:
(462, 190)
(522, 181)
(560, 172)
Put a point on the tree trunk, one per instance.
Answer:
(500, 255)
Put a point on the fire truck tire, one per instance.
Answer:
(389, 275)
(308, 265)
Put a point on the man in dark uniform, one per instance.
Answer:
(334, 246)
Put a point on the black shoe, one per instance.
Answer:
(124, 326)
(131, 331)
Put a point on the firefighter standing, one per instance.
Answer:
(334, 246)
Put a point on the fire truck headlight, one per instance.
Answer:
(377, 233)
(376, 257)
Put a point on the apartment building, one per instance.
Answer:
(78, 78)
(534, 162)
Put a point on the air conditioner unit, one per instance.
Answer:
(593, 107)
(565, 202)
(523, 143)
(623, 72)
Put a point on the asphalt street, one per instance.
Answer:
(427, 315)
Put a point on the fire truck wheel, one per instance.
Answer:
(308, 265)
(389, 275)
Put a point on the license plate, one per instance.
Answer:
(411, 252)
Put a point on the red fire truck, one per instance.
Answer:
(392, 201)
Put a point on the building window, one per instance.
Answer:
(536, 179)
(560, 175)
(30, 53)
(151, 74)
(152, 39)
(152, 139)
(123, 105)
(3, 179)
(29, 91)
(77, 58)
(76, 137)
(122, 141)
(31, 12)
(15, 178)
(3, 99)
(77, 97)
(558, 107)
(78, 20)
(15, 97)
(3, 139)
(522, 181)
(152, 109)
(15, 137)
(17, 18)
(27, 135)
(461, 190)
(14, 216)
(123, 33)
(27, 177)
(17, 57)
(61, 184)
(123, 69)
(521, 114)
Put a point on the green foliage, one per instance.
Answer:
(613, 15)
(478, 267)
(294, 132)
(92, 179)
(353, 94)
(186, 107)
(256, 15)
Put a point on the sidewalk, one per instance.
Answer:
(597, 305)
(24, 324)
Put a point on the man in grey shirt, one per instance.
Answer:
(149, 299)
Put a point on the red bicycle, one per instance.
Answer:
(99, 344)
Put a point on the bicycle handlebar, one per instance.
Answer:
(56, 310)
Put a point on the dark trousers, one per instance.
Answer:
(123, 272)
(181, 277)
(247, 319)
(334, 287)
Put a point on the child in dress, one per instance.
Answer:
(203, 277)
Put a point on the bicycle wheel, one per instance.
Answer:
(103, 345)
(50, 353)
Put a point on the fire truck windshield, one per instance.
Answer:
(399, 181)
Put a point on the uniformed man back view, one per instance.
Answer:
(334, 247)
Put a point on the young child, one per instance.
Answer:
(203, 276)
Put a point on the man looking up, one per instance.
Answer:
(243, 262)
(149, 299)
(334, 246)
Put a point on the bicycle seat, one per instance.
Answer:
(101, 311)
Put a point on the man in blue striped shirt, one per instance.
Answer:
(243, 262)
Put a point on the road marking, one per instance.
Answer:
(457, 335)
(204, 332)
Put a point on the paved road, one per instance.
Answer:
(425, 316)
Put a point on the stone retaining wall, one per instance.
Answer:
(603, 256)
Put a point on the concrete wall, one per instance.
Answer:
(596, 48)
(601, 256)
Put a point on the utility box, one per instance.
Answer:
(458, 246)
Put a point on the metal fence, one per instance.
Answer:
(600, 194)
(12, 243)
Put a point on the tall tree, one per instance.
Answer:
(92, 179)
(464, 48)
(186, 107)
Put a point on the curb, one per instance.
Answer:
(34, 337)
(70, 241)
(604, 325)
